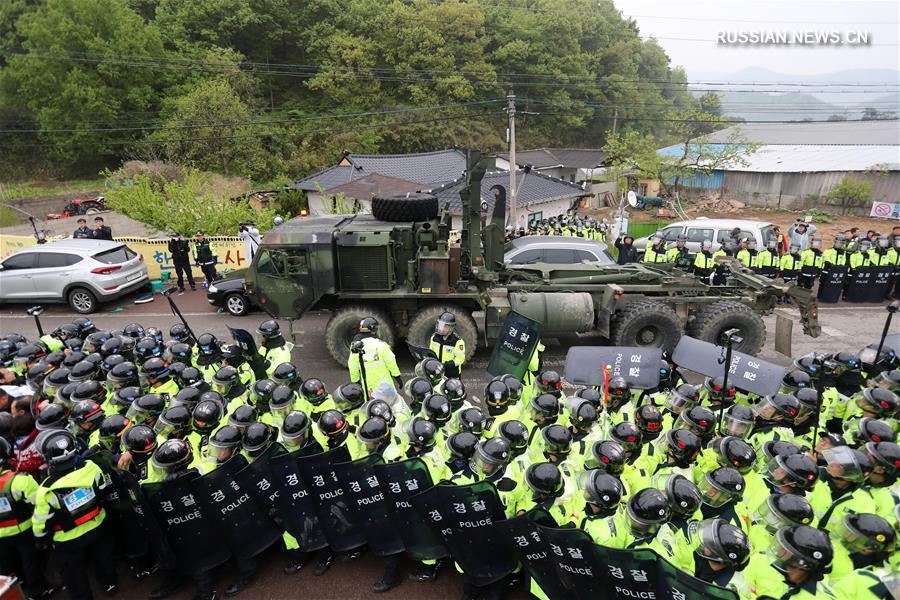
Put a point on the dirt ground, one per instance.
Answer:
(121, 225)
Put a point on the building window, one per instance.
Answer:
(535, 216)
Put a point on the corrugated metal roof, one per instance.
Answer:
(811, 158)
(533, 188)
(838, 132)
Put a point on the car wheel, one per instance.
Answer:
(92, 210)
(236, 304)
(82, 300)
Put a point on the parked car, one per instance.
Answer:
(717, 230)
(556, 249)
(229, 294)
(82, 273)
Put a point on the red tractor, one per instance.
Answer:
(82, 206)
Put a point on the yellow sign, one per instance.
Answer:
(228, 250)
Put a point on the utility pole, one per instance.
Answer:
(511, 110)
(615, 121)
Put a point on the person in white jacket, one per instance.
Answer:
(250, 235)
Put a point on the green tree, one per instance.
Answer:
(850, 193)
(73, 81)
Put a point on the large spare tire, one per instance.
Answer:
(405, 207)
(712, 321)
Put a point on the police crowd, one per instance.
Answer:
(789, 495)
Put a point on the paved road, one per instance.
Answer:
(844, 328)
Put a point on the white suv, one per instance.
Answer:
(716, 230)
(82, 273)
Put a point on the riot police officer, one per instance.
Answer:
(273, 348)
(371, 359)
(768, 261)
(679, 255)
(834, 271)
(655, 251)
(704, 262)
(448, 347)
(812, 262)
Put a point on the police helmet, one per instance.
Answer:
(368, 327)
(52, 416)
(139, 441)
(545, 480)
(349, 397)
(719, 541)
(257, 439)
(172, 455)
(285, 374)
(683, 495)
(470, 419)
(206, 416)
(455, 392)
(446, 324)
(420, 433)
(436, 409)
(607, 456)
(243, 417)
(313, 391)
(516, 434)
(557, 440)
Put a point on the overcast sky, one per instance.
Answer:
(703, 19)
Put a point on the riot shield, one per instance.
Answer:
(747, 373)
(571, 552)
(332, 505)
(419, 353)
(519, 336)
(400, 481)
(257, 478)
(526, 539)
(193, 533)
(858, 284)
(246, 343)
(147, 526)
(463, 516)
(831, 283)
(880, 284)
(672, 582)
(367, 501)
(892, 342)
(297, 510)
(122, 517)
(638, 366)
(242, 522)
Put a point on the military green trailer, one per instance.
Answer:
(399, 266)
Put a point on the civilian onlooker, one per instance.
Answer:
(800, 233)
(26, 458)
(895, 234)
(83, 232)
(627, 251)
(250, 234)
(780, 239)
(852, 239)
(180, 250)
(101, 231)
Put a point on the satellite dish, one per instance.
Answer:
(632, 198)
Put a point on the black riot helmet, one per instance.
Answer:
(516, 434)
(88, 390)
(647, 510)
(173, 456)
(801, 547)
(490, 456)
(313, 391)
(373, 432)
(544, 409)
(333, 426)
(134, 331)
(270, 331)
(36, 374)
(865, 533)
(153, 370)
(716, 392)
(885, 458)
(59, 450)
(461, 446)
(257, 439)
(738, 421)
(734, 452)
(349, 397)
(446, 324)
(683, 446)
(774, 448)
(557, 440)
(85, 326)
(282, 400)
(648, 419)
(628, 435)
(496, 397)
(180, 352)
(796, 471)
(261, 393)
(879, 401)
(470, 419)
(417, 389)
(795, 380)
(140, 442)
(208, 345)
(223, 443)
(607, 456)
(380, 408)
(431, 369)
(123, 399)
(544, 480)
(146, 409)
(619, 393)
(29, 354)
(721, 485)
(592, 396)
(436, 409)
(583, 416)
(808, 399)
(174, 422)
(111, 362)
(602, 491)
(224, 379)
(146, 348)
(549, 382)
(514, 384)
(455, 392)
(872, 430)
(368, 327)
(681, 397)
(64, 394)
(191, 377)
(295, 430)
(683, 495)
(699, 419)
(719, 541)
(206, 416)
(74, 357)
(421, 434)
(243, 417)
(180, 333)
(111, 346)
(52, 416)
(783, 510)
(188, 397)
(54, 358)
(111, 430)
(84, 371)
(285, 374)
(94, 341)
(56, 379)
(65, 331)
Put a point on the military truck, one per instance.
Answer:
(399, 265)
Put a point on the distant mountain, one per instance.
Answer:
(799, 103)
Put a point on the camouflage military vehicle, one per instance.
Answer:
(399, 266)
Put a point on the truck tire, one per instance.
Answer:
(712, 321)
(344, 324)
(405, 207)
(421, 327)
(646, 323)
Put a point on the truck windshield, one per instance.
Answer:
(283, 262)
